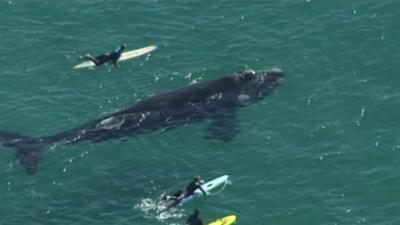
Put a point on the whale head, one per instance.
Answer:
(257, 84)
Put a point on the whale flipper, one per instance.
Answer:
(223, 126)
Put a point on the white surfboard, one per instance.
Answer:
(124, 56)
(207, 187)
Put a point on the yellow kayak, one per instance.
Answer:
(226, 220)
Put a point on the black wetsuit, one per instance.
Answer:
(111, 56)
(176, 198)
(193, 186)
(194, 220)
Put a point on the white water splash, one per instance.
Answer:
(155, 209)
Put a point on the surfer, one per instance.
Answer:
(178, 196)
(194, 185)
(194, 219)
(106, 57)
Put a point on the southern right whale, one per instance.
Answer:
(217, 99)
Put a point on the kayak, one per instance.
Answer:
(226, 220)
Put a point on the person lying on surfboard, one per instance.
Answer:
(194, 185)
(106, 57)
(178, 196)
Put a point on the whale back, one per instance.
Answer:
(177, 97)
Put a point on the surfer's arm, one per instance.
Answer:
(202, 190)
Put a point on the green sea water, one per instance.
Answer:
(323, 149)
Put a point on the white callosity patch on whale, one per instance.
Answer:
(110, 123)
(143, 116)
(243, 97)
(217, 96)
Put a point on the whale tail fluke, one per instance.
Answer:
(28, 149)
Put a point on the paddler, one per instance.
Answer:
(194, 219)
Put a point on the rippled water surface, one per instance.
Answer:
(323, 149)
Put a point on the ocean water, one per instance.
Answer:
(323, 149)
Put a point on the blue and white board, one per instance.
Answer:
(207, 187)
